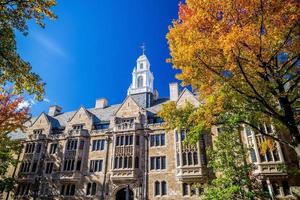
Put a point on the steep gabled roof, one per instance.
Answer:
(188, 92)
(42, 114)
(85, 110)
(129, 96)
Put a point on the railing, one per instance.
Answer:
(56, 136)
(123, 150)
(123, 174)
(190, 172)
(127, 126)
(70, 175)
(99, 131)
(270, 168)
(69, 154)
(156, 125)
(78, 132)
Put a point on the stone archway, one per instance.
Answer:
(125, 194)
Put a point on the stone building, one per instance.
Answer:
(123, 152)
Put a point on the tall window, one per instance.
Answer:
(72, 145)
(78, 165)
(191, 189)
(185, 189)
(91, 189)
(29, 148)
(252, 155)
(140, 81)
(124, 140)
(158, 163)
(67, 190)
(53, 148)
(22, 189)
(69, 165)
(157, 188)
(286, 188)
(34, 166)
(98, 145)
(157, 140)
(49, 168)
(189, 158)
(163, 188)
(25, 167)
(123, 162)
(195, 158)
(96, 165)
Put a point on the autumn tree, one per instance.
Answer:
(245, 54)
(14, 16)
(12, 118)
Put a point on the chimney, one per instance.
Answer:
(174, 91)
(54, 110)
(101, 103)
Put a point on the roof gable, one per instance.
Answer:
(42, 119)
(187, 96)
(128, 108)
(82, 112)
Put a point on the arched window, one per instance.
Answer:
(195, 155)
(116, 162)
(140, 81)
(183, 159)
(88, 189)
(94, 187)
(185, 189)
(190, 162)
(72, 191)
(126, 162)
(120, 162)
(276, 155)
(157, 188)
(163, 188)
(130, 162)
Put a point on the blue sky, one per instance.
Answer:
(91, 49)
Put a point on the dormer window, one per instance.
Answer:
(78, 127)
(38, 131)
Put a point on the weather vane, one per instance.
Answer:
(143, 47)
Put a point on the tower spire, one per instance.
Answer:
(143, 47)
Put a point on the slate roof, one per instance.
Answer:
(99, 115)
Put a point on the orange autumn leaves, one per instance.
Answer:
(231, 51)
(12, 116)
(209, 36)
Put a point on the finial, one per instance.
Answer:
(143, 47)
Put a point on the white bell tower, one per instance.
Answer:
(142, 77)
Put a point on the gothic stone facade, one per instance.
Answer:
(123, 152)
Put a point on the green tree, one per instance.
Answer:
(14, 71)
(227, 156)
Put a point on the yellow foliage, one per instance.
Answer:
(268, 144)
